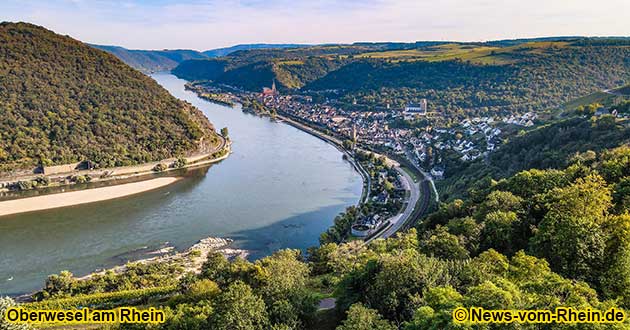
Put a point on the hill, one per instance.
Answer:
(549, 146)
(606, 98)
(152, 60)
(458, 79)
(63, 101)
(218, 52)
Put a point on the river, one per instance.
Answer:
(280, 188)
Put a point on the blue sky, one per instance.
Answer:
(207, 24)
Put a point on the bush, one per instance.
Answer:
(5, 303)
(160, 168)
(81, 178)
(180, 162)
(105, 300)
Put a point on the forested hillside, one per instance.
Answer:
(481, 81)
(218, 52)
(62, 101)
(152, 60)
(458, 79)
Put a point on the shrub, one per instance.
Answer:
(180, 162)
(160, 168)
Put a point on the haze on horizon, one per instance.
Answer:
(208, 24)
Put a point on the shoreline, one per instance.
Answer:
(335, 143)
(191, 259)
(99, 194)
(65, 199)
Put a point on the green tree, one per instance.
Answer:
(570, 236)
(440, 243)
(360, 317)
(498, 231)
(238, 308)
(616, 279)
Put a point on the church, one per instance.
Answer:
(272, 92)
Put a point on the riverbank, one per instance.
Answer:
(64, 199)
(145, 172)
(337, 144)
(67, 175)
(192, 259)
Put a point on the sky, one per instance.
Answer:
(208, 24)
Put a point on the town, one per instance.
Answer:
(389, 131)
(378, 130)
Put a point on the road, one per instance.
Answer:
(397, 221)
(426, 175)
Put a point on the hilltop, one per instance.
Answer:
(63, 101)
(218, 52)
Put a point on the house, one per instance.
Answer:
(437, 172)
(382, 198)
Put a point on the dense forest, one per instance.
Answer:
(62, 101)
(537, 240)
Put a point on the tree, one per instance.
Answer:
(501, 201)
(490, 296)
(216, 268)
(362, 318)
(440, 301)
(203, 289)
(440, 243)
(616, 279)
(238, 308)
(498, 231)
(59, 285)
(570, 236)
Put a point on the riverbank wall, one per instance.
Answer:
(71, 177)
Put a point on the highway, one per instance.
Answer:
(417, 192)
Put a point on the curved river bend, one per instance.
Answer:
(279, 189)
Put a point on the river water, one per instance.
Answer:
(279, 189)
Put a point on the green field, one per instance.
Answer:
(475, 53)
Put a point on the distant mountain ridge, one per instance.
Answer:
(149, 61)
(152, 60)
(228, 50)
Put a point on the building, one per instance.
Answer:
(366, 226)
(270, 92)
(416, 109)
(437, 172)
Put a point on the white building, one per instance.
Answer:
(416, 109)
